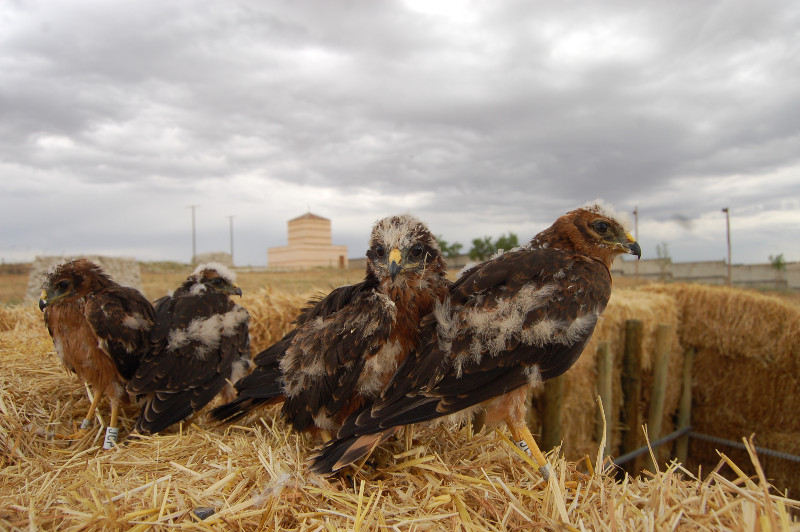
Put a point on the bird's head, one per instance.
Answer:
(213, 277)
(595, 230)
(403, 246)
(69, 281)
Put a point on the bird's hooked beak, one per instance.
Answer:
(395, 258)
(43, 300)
(237, 290)
(632, 246)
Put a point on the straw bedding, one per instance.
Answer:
(255, 476)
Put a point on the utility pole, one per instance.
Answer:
(728, 232)
(194, 239)
(636, 236)
(230, 217)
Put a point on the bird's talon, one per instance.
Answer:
(77, 435)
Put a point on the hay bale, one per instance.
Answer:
(124, 270)
(736, 322)
(272, 313)
(579, 407)
(745, 372)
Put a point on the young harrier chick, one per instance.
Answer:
(200, 345)
(507, 325)
(100, 330)
(346, 345)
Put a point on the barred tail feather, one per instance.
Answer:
(161, 410)
(341, 453)
(241, 406)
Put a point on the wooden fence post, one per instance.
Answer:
(685, 408)
(631, 390)
(605, 372)
(551, 420)
(656, 412)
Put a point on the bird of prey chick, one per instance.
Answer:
(200, 346)
(101, 331)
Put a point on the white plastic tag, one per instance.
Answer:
(111, 437)
(524, 446)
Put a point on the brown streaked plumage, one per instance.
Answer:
(100, 331)
(508, 324)
(346, 345)
(200, 347)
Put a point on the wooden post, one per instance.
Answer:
(656, 413)
(631, 390)
(605, 372)
(685, 408)
(551, 422)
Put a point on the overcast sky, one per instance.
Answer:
(479, 117)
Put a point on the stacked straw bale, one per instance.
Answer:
(746, 372)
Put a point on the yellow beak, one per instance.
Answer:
(395, 258)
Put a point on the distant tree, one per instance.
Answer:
(507, 242)
(483, 248)
(779, 263)
(449, 250)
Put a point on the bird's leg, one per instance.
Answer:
(85, 424)
(188, 421)
(87, 421)
(112, 431)
(524, 439)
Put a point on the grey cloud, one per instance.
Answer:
(510, 111)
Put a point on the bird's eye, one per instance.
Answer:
(601, 226)
(62, 285)
(416, 251)
(216, 281)
(380, 251)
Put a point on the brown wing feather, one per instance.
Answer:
(121, 318)
(264, 385)
(322, 366)
(197, 340)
